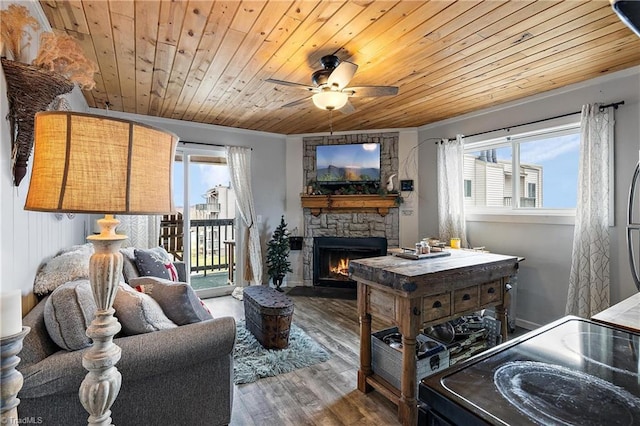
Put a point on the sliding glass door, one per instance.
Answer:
(206, 204)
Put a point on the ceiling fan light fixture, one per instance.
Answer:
(330, 100)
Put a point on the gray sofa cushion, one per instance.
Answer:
(67, 265)
(138, 313)
(178, 300)
(67, 314)
(37, 344)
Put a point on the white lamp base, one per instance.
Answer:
(101, 385)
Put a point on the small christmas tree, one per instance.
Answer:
(278, 254)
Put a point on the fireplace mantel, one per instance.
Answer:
(323, 203)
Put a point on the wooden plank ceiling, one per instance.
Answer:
(207, 61)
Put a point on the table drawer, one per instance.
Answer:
(434, 307)
(382, 304)
(465, 299)
(491, 292)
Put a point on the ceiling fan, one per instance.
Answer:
(330, 91)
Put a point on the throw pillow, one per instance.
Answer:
(167, 261)
(67, 314)
(67, 265)
(129, 268)
(138, 313)
(150, 264)
(173, 272)
(160, 251)
(178, 300)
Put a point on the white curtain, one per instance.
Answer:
(239, 161)
(143, 231)
(589, 280)
(451, 222)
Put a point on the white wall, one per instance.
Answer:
(27, 237)
(408, 170)
(544, 275)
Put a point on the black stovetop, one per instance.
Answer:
(572, 371)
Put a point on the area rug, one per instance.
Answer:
(252, 362)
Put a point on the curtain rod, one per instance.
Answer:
(615, 105)
(207, 144)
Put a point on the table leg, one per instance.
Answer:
(365, 340)
(409, 327)
(407, 405)
(501, 315)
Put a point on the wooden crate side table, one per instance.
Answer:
(268, 315)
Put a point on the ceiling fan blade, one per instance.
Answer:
(371, 91)
(291, 83)
(296, 103)
(348, 108)
(342, 75)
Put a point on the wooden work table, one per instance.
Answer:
(413, 294)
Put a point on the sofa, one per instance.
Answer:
(175, 376)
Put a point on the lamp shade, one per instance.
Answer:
(87, 163)
(330, 99)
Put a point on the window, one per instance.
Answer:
(534, 170)
(467, 188)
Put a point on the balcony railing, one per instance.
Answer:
(524, 202)
(207, 236)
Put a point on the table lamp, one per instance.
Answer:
(87, 163)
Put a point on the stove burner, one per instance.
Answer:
(554, 395)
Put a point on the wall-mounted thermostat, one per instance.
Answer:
(406, 185)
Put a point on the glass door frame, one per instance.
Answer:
(187, 152)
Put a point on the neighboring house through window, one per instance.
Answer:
(533, 170)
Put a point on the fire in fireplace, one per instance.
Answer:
(341, 270)
(331, 256)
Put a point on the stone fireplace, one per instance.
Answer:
(354, 223)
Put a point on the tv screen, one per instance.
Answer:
(348, 163)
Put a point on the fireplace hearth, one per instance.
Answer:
(331, 256)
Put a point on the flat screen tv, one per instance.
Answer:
(348, 163)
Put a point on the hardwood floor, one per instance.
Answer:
(323, 394)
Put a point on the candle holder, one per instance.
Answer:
(10, 377)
